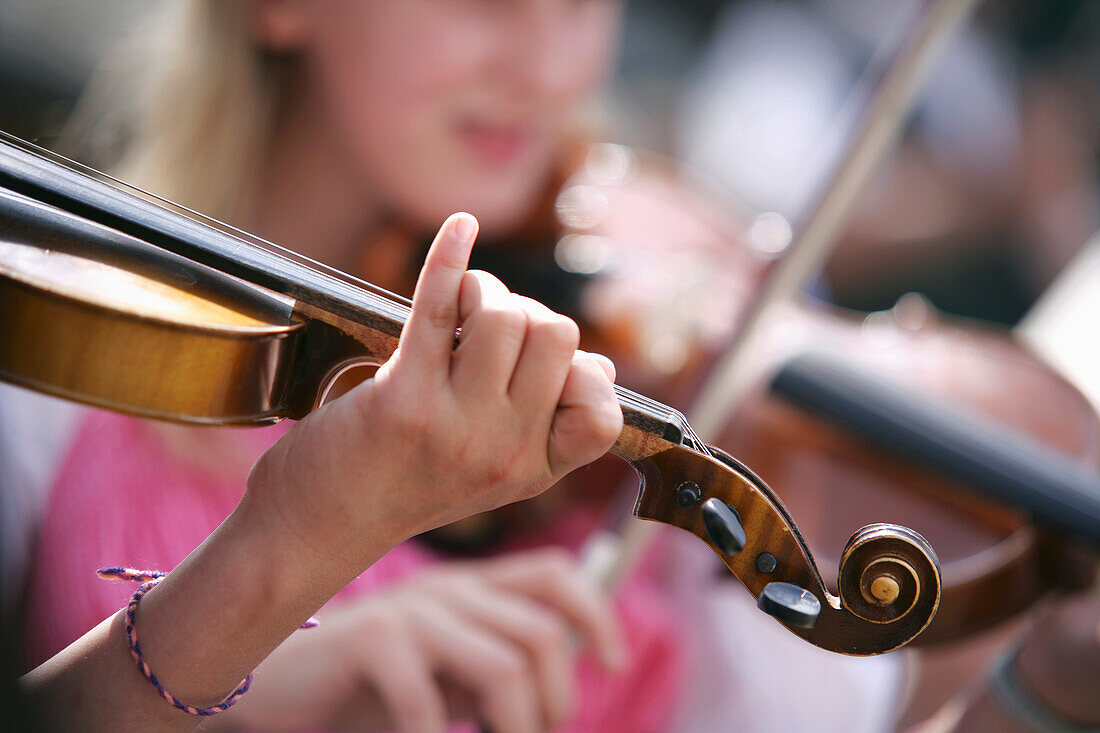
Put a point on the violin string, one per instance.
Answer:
(241, 237)
(241, 242)
(659, 410)
(313, 266)
(626, 396)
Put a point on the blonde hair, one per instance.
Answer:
(184, 108)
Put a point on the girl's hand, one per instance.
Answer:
(493, 641)
(440, 432)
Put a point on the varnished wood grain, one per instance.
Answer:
(769, 529)
(196, 358)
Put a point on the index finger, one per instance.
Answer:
(429, 335)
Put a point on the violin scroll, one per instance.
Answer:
(883, 570)
(889, 576)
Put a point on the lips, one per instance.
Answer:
(493, 143)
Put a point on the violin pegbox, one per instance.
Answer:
(889, 576)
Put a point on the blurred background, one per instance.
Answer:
(992, 192)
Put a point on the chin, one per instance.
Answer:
(500, 218)
(499, 209)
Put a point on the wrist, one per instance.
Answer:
(317, 553)
(222, 610)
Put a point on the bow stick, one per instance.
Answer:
(610, 555)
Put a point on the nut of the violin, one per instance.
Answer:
(723, 526)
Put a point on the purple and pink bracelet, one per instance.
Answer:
(149, 579)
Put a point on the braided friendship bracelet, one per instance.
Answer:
(148, 580)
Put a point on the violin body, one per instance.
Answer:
(133, 328)
(996, 561)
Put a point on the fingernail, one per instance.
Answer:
(465, 226)
(602, 359)
(606, 364)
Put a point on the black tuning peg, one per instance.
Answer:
(723, 526)
(790, 604)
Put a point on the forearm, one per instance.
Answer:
(202, 630)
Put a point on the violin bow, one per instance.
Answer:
(612, 553)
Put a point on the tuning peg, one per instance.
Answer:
(790, 604)
(723, 526)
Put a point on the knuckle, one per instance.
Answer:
(509, 322)
(441, 315)
(549, 633)
(563, 583)
(605, 423)
(446, 581)
(488, 281)
(413, 710)
(509, 665)
(561, 332)
(380, 625)
(557, 562)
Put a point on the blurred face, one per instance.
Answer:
(450, 105)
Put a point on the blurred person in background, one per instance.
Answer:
(994, 185)
(991, 191)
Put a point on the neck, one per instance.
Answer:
(309, 197)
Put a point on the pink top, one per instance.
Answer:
(123, 497)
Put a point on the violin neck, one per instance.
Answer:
(348, 321)
(77, 189)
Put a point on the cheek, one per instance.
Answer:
(384, 76)
(394, 76)
(388, 77)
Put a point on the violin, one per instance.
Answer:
(1000, 564)
(947, 425)
(996, 559)
(118, 299)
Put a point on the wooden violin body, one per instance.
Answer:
(283, 329)
(157, 336)
(996, 561)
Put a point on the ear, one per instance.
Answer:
(279, 25)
